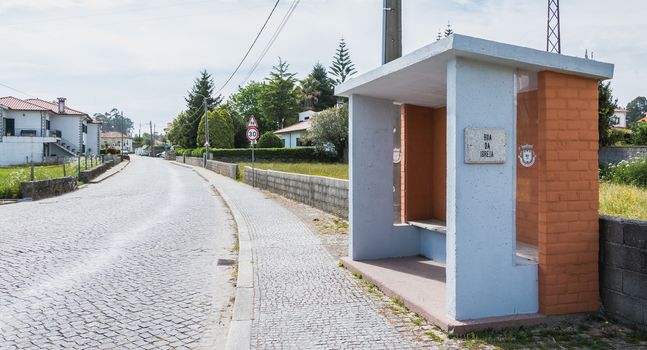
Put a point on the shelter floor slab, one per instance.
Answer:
(420, 283)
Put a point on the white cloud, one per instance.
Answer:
(142, 56)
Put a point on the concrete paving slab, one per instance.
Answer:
(420, 284)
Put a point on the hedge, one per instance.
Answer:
(308, 154)
(109, 151)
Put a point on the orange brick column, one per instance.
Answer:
(568, 194)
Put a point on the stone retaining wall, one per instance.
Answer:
(623, 270)
(325, 193)
(222, 168)
(47, 188)
(613, 155)
(87, 175)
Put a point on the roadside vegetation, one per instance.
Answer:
(11, 177)
(623, 189)
(335, 170)
(624, 201)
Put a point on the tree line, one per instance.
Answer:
(275, 102)
(636, 132)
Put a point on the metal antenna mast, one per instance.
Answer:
(553, 42)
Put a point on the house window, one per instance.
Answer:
(85, 129)
(47, 124)
(299, 141)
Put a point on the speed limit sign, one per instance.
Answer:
(252, 134)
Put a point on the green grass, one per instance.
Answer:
(551, 338)
(10, 178)
(336, 170)
(623, 201)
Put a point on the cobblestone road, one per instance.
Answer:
(127, 263)
(303, 300)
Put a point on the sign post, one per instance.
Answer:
(252, 135)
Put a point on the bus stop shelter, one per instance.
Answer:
(474, 182)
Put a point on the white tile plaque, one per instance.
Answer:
(485, 146)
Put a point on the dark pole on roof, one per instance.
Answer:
(391, 30)
(391, 50)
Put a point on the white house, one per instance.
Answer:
(619, 118)
(293, 135)
(114, 139)
(37, 130)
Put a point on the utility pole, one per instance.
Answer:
(553, 31)
(391, 30)
(150, 124)
(122, 132)
(206, 125)
(392, 49)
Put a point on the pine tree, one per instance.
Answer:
(317, 89)
(342, 66)
(440, 35)
(448, 31)
(606, 107)
(280, 98)
(203, 86)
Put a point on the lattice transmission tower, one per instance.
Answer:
(553, 42)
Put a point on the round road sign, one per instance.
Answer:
(252, 134)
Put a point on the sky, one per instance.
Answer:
(142, 56)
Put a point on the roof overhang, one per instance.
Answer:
(420, 77)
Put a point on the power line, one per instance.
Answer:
(250, 48)
(19, 91)
(96, 13)
(272, 40)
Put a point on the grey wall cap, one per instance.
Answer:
(423, 72)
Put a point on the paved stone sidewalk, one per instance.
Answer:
(303, 300)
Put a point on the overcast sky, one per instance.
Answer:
(142, 56)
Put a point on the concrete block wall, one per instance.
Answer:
(613, 155)
(226, 169)
(623, 270)
(222, 168)
(327, 194)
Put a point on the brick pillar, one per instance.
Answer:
(568, 194)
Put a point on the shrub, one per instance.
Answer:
(639, 133)
(330, 127)
(632, 172)
(300, 154)
(619, 136)
(197, 152)
(270, 140)
(221, 128)
(109, 151)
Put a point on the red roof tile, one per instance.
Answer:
(20, 105)
(53, 106)
(304, 125)
(113, 134)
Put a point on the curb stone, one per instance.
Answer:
(239, 336)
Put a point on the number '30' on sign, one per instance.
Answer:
(252, 134)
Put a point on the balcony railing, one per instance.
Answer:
(31, 132)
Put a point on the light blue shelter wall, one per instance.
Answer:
(433, 245)
(483, 279)
(372, 232)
